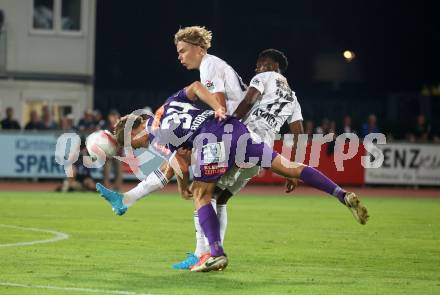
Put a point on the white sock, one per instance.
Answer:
(201, 246)
(222, 215)
(154, 181)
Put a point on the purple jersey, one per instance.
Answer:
(179, 121)
(217, 145)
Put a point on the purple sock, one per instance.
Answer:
(211, 226)
(315, 178)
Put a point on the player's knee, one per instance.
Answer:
(201, 194)
(167, 171)
(299, 169)
(197, 197)
(197, 191)
(169, 174)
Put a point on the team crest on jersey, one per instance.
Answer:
(209, 84)
(214, 153)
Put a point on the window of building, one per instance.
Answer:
(57, 17)
(43, 15)
(71, 15)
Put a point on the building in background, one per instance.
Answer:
(47, 53)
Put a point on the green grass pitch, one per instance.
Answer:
(276, 245)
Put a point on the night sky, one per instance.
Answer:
(397, 43)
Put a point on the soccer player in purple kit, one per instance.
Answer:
(218, 146)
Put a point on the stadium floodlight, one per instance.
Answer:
(349, 55)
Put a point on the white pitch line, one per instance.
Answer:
(58, 236)
(8, 284)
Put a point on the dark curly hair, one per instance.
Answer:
(276, 56)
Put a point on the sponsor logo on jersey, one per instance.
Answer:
(210, 85)
(213, 169)
(270, 118)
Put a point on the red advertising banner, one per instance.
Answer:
(353, 173)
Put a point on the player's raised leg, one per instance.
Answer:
(120, 202)
(113, 198)
(155, 181)
(318, 180)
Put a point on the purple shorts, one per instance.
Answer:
(221, 145)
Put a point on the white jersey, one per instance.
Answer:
(276, 105)
(218, 76)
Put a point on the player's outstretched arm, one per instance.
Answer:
(198, 90)
(220, 97)
(248, 101)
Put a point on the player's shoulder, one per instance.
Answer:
(212, 61)
(267, 76)
(277, 79)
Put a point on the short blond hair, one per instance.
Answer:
(194, 35)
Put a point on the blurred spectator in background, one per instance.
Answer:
(113, 165)
(99, 120)
(308, 129)
(66, 123)
(421, 129)
(46, 118)
(82, 179)
(370, 126)
(34, 123)
(346, 125)
(87, 123)
(324, 127)
(112, 118)
(9, 122)
(332, 127)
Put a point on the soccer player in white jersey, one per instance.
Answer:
(269, 102)
(224, 82)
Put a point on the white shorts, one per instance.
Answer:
(237, 178)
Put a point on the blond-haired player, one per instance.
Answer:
(192, 44)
